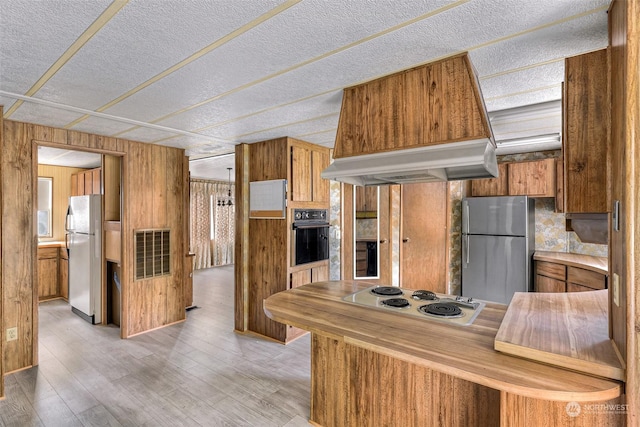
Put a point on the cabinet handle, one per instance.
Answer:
(383, 241)
(406, 239)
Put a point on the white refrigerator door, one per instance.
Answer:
(84, 214)
(80, 254)
(84, 275)
(494, 267)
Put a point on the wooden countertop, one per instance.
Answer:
(594, 263)
(553, 328)
(51, 244)
(465, 352)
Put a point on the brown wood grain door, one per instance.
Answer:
(423, 236)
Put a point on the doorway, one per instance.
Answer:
(77, 174)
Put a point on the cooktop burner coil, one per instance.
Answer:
(424, 295)
(386, 291)
(441, 309)
(396, 302)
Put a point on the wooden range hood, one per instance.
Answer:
(427, 123)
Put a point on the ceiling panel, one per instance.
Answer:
(35, 34)
(142, 40)
(69, 158)
(269, 67)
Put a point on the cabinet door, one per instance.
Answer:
(300, 174)
(535, 179)
(80, 186)
(586, 136)
(491, 186)
(47, 278)
(88, 182)
(547, 284)
(64, 278)
(74, 185)
(572, 287)
(96, 181)
(320, 190)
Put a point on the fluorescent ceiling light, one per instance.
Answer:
(551, 141)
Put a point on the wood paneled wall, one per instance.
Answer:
(155, 181)
(2, 323)
(61, 192)
(624, 39)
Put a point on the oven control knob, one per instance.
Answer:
(305, 215)
(298, 215)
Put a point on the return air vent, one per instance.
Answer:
(152, 253)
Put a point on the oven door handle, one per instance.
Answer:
(308, 226)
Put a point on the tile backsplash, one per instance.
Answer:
(551, 234)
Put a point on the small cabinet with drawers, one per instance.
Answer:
(48, 273)
(558, 277)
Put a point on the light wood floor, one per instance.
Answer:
(195, 373)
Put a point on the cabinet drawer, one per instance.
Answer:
(46, 253)
(550, 269)
(546, 284)
(587, 278)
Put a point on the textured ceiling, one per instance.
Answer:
(205, 75)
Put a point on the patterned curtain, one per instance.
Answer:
(212, 226)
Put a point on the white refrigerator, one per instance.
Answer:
(84, 228)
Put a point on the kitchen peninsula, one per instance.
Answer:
(374, 367)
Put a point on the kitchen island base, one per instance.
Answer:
(354, 386)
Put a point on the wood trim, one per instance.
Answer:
(241, 267)
(266, 214)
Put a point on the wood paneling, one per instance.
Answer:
(587, 130)
(351, 385)
(111, 165)
(263, 246)
(241, 246)
(61, 192)
(519, 411)
(624, 34)
(149, 305)
(424, 238)
(403, 105)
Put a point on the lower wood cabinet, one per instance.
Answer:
(299, 278)
(63, 273)
(48, 273)
(553, 277)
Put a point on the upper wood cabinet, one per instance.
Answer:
(307, 164)
(586, 136)
(86, 182)
(491, 186)
(532, 178)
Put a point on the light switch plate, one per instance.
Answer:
(12, 334)
(616, 289)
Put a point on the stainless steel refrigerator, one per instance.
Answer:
(498, 240)
(84, 228)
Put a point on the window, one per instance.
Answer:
(45, 195)
(153, 251)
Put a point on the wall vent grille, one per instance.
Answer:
(152, 253)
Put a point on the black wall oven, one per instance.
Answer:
(310, 236)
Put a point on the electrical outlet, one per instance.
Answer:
(616, 289)
(12, 334)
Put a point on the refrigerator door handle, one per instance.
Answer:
(467, 249)
(466, 217)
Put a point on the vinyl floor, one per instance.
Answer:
(198, 372)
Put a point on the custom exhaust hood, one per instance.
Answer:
(425, 124)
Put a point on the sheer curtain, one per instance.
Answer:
(212, 226)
